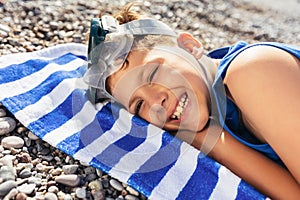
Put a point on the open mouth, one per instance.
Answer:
(180, 107)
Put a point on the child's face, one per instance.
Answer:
(163, 88)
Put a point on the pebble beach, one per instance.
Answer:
(31, 168)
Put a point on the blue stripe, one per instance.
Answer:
(245, 191)
(203, 181)
(113, 153)
(58, 116)
(18, 71)
(151, 172)
(70, 145)
(44, 88)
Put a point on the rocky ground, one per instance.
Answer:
(31, 168)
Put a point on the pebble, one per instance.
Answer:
(4, 28)
(7, 124)
(26, 188)
(6, 187)
(71, 180)
(70, 169)
(12, 142)
(80, 193)
(50, 196)
(2, 113)
(7, 173)
(12, 194)
(116, 184)
(36, 24)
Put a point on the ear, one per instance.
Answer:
(190, 44)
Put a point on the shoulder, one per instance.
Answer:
(260, 63)
(262, 78)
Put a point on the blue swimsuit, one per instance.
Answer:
(228, 112)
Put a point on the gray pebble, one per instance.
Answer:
(53, 189)
(32, 136)
(26, 188)
(131, 197)
(7, 160)
(50, 196)
(7, 124)
(4, 28)
(25, 173)
(68, 180)
(2, 112)
(116, 184)
(7, 173)
(12, 194)
(70, 169)
(6, 187)
(80, 193)
(35, 180)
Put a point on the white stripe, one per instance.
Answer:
(134, 159)
(177, 177)
(227, 185)
(29, 82)
(74, 125)
(120, 128)
(44, 54)
(50, 101)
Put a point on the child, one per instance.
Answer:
(250, 90)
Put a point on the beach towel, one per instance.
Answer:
(45, 91)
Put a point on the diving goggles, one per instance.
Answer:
(109, 45)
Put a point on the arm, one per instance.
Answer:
(264, 83)
(257, 170)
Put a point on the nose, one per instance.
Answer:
(156, 101)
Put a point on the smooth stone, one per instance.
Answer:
(50, 196)
(2, 112)
(80, 193)
(7, 124)
(132, 191)
(6, 187)
(7, 173)
(25, 173)
(69, 197)
(32, 136)
(35, 180)
(12, 142)
(26, 188)
(95, 185)
(7, 160)
(21, 196)
(70, 169)
(131, 197)
(12, 194)
(53, 189)
(116, 184)
(71, 180)
(99, 195)
(91, 177)
(4, 28)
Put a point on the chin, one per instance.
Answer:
(202, 123)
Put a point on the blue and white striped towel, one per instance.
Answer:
(45, 92)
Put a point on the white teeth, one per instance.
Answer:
(180, 108)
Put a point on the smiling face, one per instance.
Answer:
(165, 87)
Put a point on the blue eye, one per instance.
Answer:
(152, 74)
(138, 107)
